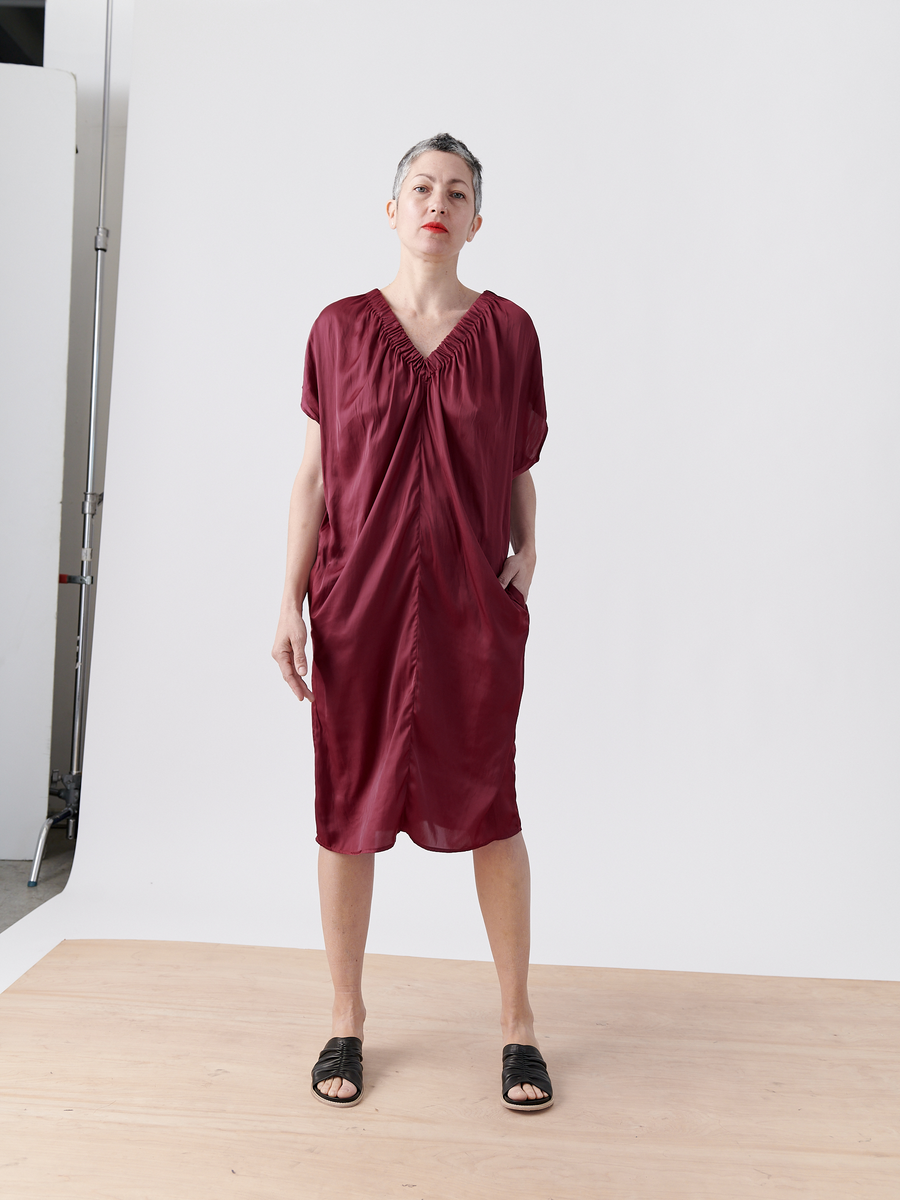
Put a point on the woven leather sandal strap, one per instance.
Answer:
(342, 1056)
(523, 1064)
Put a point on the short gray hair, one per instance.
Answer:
(449, 145)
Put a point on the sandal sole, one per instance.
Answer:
(511, 1104)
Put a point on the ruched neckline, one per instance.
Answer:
(467, 325)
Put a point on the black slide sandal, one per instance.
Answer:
(341, 1057)
(523, 1064)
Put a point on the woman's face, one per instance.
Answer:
(435, 212)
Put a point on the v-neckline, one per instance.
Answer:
(398, 336)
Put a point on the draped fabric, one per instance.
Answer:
(418, 651)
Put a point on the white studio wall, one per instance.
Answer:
(37, 150)
(696, 203)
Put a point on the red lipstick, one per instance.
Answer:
(435, 225)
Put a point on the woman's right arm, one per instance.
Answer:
(305, 520)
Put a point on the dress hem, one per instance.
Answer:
(422, 846)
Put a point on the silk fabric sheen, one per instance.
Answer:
(418, 652)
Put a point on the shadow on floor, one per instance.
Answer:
(17, 899)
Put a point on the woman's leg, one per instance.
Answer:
(345, 895)
(503, 880)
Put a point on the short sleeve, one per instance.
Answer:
(531, 426)
(309, 397)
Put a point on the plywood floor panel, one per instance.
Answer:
(133, 1070)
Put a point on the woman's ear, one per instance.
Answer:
(392, 213)
(476, 225)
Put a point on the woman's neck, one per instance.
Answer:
(428, 288)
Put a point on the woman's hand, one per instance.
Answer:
(289, 652)
(519, 569)
(304, 521)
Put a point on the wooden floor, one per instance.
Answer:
(131, 1070)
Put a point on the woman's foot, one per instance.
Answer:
(346, 1022)
(341, 1060)
(521, 1033)
(523, 1068)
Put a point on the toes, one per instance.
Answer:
(337, 1088)
(526, 1092)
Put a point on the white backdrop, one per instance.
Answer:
(75, 41)
(37, 152)
(697, 204)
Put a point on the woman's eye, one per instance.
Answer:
(459, 195)
(420, 187)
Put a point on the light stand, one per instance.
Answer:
(68, 786)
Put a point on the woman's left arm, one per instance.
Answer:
(519, 567)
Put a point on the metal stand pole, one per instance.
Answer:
(71, 782)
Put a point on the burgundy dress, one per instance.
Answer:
(418, 652)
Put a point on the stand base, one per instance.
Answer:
(70, 792)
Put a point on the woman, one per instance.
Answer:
(426, 411)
